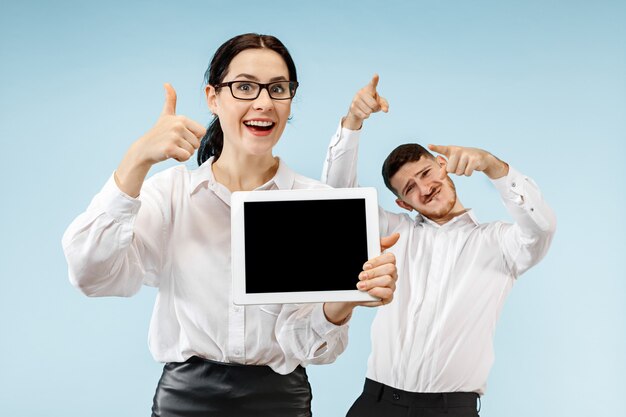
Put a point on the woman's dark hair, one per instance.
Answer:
(213, 140)
(409, 152)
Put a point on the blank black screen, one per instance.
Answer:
(312, 245)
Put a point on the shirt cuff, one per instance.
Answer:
(523, 199)
(321, 325)
(345, 138)
(117, 203)
(512, 186)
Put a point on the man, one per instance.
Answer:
(432, 347)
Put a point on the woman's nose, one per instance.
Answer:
(263, 101)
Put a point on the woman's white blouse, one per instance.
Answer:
(176, 236)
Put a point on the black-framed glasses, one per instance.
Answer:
(249, 90)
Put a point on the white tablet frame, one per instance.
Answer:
(237, 200)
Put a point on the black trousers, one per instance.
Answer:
(204, 388)
(382, 400)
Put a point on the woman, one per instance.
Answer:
(173, 231)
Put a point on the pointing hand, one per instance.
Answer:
(365, 102)
(464, 161)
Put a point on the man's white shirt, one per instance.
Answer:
(437, 333)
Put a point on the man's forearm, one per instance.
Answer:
(496, 168)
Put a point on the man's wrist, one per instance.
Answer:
(351, 122)
(497, 168)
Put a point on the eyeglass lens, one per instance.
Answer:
(250, 90)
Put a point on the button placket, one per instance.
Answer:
(236, 332)
(429, 305)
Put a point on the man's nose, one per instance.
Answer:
(425, 187)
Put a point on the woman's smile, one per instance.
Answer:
(260, 126)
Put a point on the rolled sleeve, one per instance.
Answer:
(322, 326)
(525, 242)
(121, 207)
(523, 199)
(307, 337)
(102, 247)
(340, 165)
(116, 203)
(333, 338)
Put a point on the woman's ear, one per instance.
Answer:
(403, 205)
(211, 98)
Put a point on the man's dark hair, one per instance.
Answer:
(409, 152)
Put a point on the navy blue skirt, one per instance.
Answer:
(200, 388)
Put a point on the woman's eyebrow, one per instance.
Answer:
(253, 78)
(248, 76)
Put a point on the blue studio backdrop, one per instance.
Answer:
(541, 84)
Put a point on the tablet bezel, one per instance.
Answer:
(238, 198)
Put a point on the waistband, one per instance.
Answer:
(202, 387)
(420, 399)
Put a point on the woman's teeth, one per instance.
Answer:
(259, 123)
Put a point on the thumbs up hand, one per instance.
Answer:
(172, 136)
(365, 102)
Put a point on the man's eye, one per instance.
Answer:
(425, 173)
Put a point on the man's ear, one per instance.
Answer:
(443, 164)
(211, 98)
(404, 205)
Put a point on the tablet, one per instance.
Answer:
(302, 246)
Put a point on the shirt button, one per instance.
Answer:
(532, 209)
(513, 184)
(395, 396)
(237, 352)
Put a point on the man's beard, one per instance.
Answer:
(444, 210)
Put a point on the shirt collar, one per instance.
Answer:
(466, 217)
(203, 176)
(283, 180)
